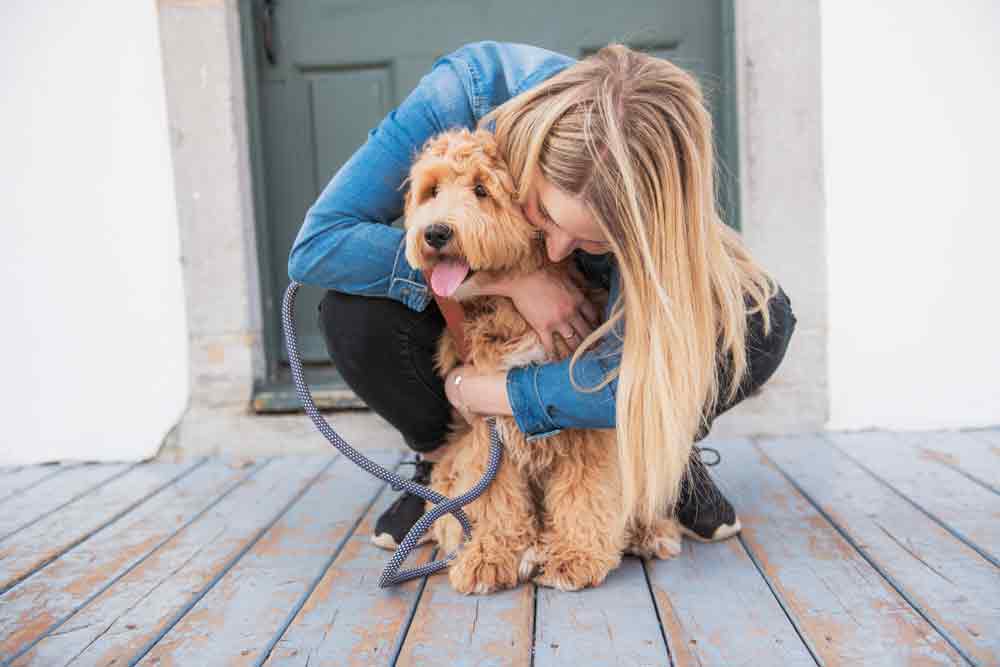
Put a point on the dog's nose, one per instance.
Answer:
(437, 235)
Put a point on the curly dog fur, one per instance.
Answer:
(554, 511)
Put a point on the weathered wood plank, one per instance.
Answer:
(991, 435)
(126, 617)
(848, 612)
(28, 477)
(454, 630)
(950, 582)
(38, 502)
(967, 509)
(347, 619)
(716, 609)
(992, 438)
(612, 624)
(970, 453)
(42, 542)
(40, 603)
(241, 615)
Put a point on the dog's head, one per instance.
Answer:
(463, 224)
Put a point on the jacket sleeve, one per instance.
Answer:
(346, 242)
(545, 402)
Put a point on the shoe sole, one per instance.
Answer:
(723, 532)
(388, 542)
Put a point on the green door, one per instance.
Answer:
(332, 69)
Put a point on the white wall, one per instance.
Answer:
(911, 115)
(93, 329)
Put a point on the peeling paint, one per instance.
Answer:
(677, 638)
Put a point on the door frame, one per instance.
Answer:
(270, 302)
(214, 123)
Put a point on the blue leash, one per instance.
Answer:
(391, 575)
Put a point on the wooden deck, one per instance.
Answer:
(861, 549)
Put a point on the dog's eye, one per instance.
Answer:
(480, 190)
(434, 191)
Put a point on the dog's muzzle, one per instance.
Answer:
(437, 235)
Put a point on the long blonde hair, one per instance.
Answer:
(629, 134)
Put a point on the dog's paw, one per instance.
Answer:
(571, 570)
(530, 560)
(481, 570)
(662, 540)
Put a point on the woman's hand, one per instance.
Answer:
(473, 393)
(552, 304)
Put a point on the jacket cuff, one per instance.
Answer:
(530, 414)
(407, 284)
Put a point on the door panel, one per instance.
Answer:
(352, 97)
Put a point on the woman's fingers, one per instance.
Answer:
(583, 305)
(571, 338)
(575, 331)
(548, 343)
(590, 312)
(553, 305)
(582, 328)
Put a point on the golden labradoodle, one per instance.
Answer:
(553, 512)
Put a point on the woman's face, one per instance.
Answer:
(564, 219)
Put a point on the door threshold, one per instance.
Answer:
(328, 389)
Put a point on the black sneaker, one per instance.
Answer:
(703, 512)
(399, 517)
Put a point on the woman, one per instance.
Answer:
(613, 159)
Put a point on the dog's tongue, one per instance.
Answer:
(447, 276)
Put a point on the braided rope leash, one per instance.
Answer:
(391, 575)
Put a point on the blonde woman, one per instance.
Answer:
(613, 159)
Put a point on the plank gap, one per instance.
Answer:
(86, 536)
(534, 622)
(969, 476)
(59, 469)
(656, 611)
(779, 598)
(954, 532)
(70, 501)
(411, 614)
(871, 561)
(229, 565)
(111, 582)
(300, 603)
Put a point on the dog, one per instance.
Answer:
(553, 514)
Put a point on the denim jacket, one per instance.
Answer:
(347, 243)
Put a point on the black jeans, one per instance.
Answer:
(384, 351)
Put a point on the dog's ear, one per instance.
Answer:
(418, 180)
(422, 178)
(437, 145)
